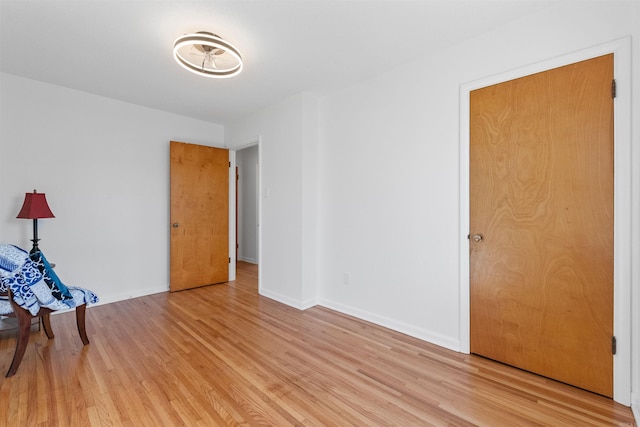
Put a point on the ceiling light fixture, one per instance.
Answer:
(207, 54)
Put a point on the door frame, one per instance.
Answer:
(623, 265)
(257, 141)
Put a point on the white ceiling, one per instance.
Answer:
(123, 49)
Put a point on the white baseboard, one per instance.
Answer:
(404, 328)
(121, 297)
(635, 407)
(249, 260)
(422, 334)
(138, 293)
(300, 305)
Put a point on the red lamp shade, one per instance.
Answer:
(35, 206)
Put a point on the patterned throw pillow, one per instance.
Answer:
(58, 289)
(11, 259)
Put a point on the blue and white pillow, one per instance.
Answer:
(58, 289)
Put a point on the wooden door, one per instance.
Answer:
(541, 208)
(199, 215)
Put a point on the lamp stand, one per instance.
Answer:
(35, 239)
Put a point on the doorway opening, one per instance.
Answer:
(247, 202)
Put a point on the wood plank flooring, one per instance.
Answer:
(224, 356)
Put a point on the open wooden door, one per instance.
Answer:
(199, 215)
(541, 209)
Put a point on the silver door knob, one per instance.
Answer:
(175, 225)
(478, 237)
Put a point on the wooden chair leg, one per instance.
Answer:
(24, 330)
(46, 325)
(80, 316)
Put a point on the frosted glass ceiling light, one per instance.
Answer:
(208, 55)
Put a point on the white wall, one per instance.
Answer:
(247, 163)
(389, 201)
(288, 225)
(389, 172)
(104, 166)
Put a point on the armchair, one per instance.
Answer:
(30, 288)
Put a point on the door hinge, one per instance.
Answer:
(613, 88)
(229, 164)
(614, 345)
(229, 260)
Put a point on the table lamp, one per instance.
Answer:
(34, 207)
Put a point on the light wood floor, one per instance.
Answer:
(223, 355)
